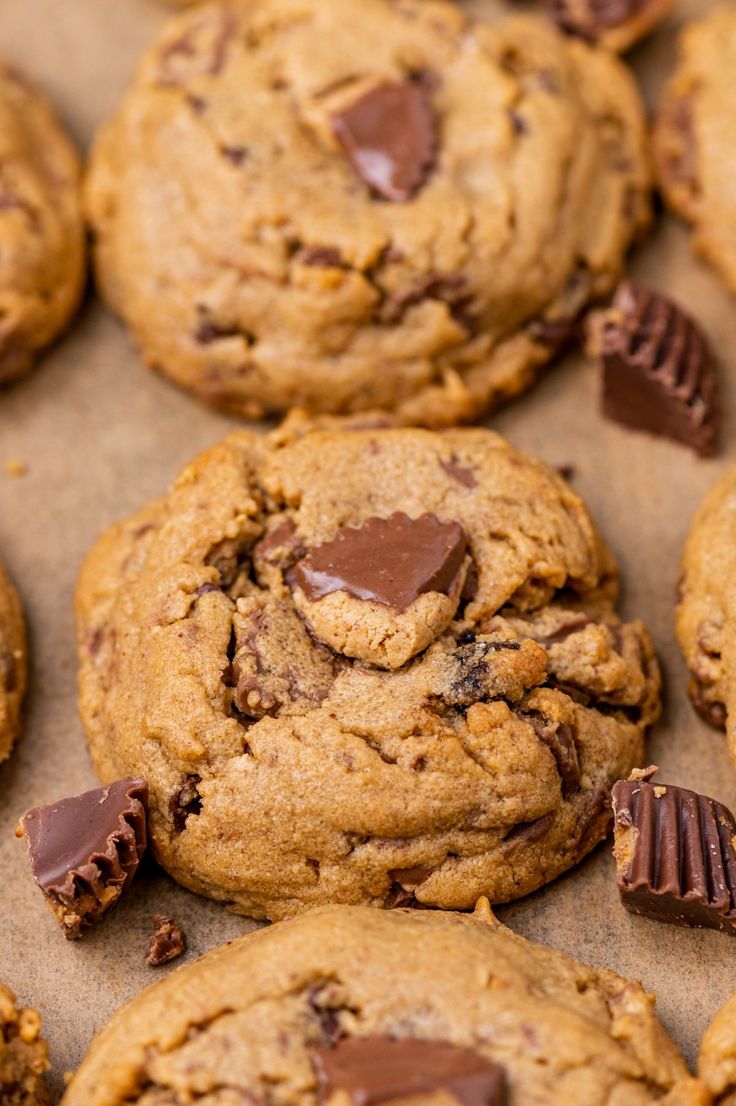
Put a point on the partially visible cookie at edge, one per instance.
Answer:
(370, 665)
(264, 257)
(42, 265)
(694, 151)
(349, 1004)
(23, 1055)
(706, 608)
(13, 664)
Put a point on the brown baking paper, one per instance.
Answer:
(101, 436)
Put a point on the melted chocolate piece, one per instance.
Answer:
(593, 17)
(391, 560)
(85, 850)
(676, 860)
(658, 372)
(459, 473)
(186, 801)
(560, 740)
(389, 136)
(168, 941)
(371, 1070)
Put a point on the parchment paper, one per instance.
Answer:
(101, 436)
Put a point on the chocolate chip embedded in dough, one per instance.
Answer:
(372, 1070)
(391, 561)
(389, 136)
(85, 850)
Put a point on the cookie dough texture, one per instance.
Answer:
(297, 756)
(717, 1060)
(249, 1015)
(13, 663)
(42, 262)
(706, 611)
(256, 268)
(693, 145)
(23, 1055)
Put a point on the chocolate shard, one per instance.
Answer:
(391, 560)
(659, 374)
(560, 740)
(372, 1070)
(85, 850)
(675, 855)
(591, 18)
(389, 136)
(168, 941)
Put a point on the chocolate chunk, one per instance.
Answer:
(658, 372)
(371, 1070)
(389, 136)
(560, 740)
(167, 942)
(390, 560)
(590, 18)
(282, 546)
(320, 257)
(411, 877)
(85, 850)
(675, 855)
(186, 801)
(459, 473)
(711, 711)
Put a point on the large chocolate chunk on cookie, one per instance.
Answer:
(373, 665)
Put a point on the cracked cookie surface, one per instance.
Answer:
(41, 227)
(693, 148)
(453, 730)
(23, 1055)
(706, 610)
(280, 223)
(13, 664)
(258, 1019)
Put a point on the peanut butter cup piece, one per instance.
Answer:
(389, 136)
(85, 850)
(675, 855)
(390, 561)
(167, 942)
(373, 1070)
(659, 374)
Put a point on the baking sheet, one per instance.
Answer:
(101, 436)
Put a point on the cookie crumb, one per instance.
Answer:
(168, 941)
(15, 467)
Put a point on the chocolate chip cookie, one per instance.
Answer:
(23, 1055)
(706, 613)
(693, 143)
(349, 1004)
(363, 665)
(41, 227)
(346, 204)
(717, 1060)
(13, 663)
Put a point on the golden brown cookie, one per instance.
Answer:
(717, 1060)
(280, 223)
(41, 228)
(353, 1004)
(23, 1055)
(693, 139)
(377, 665)
(706, 611)
(13, 664)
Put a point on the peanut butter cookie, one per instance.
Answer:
(363, 665)
(41, 228)
(349, 1004)
(706, 611)
(23, 1055)
(693, 139)
(13, 664)
(348, 204)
